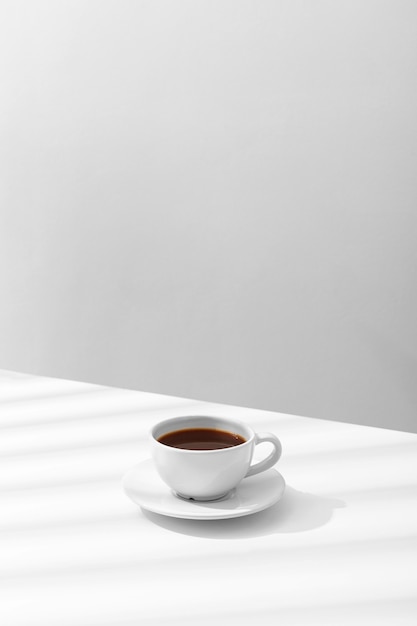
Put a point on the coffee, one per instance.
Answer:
(201, 439)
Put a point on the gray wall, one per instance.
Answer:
(214, 199)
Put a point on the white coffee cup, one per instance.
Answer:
(209, 474)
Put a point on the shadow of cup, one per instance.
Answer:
(295, 512)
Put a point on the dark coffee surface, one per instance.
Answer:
(201, 439)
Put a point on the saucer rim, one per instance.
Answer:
(216, 514)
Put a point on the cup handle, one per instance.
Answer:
(271, 459)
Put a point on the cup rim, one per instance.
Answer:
(245, 428)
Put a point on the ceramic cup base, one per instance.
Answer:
(216, 499)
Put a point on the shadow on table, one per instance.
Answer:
(295, 512)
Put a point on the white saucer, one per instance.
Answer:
(144, 486)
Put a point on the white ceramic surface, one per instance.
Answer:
(209, 474)
(144, 486)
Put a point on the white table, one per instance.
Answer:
(339, 548)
